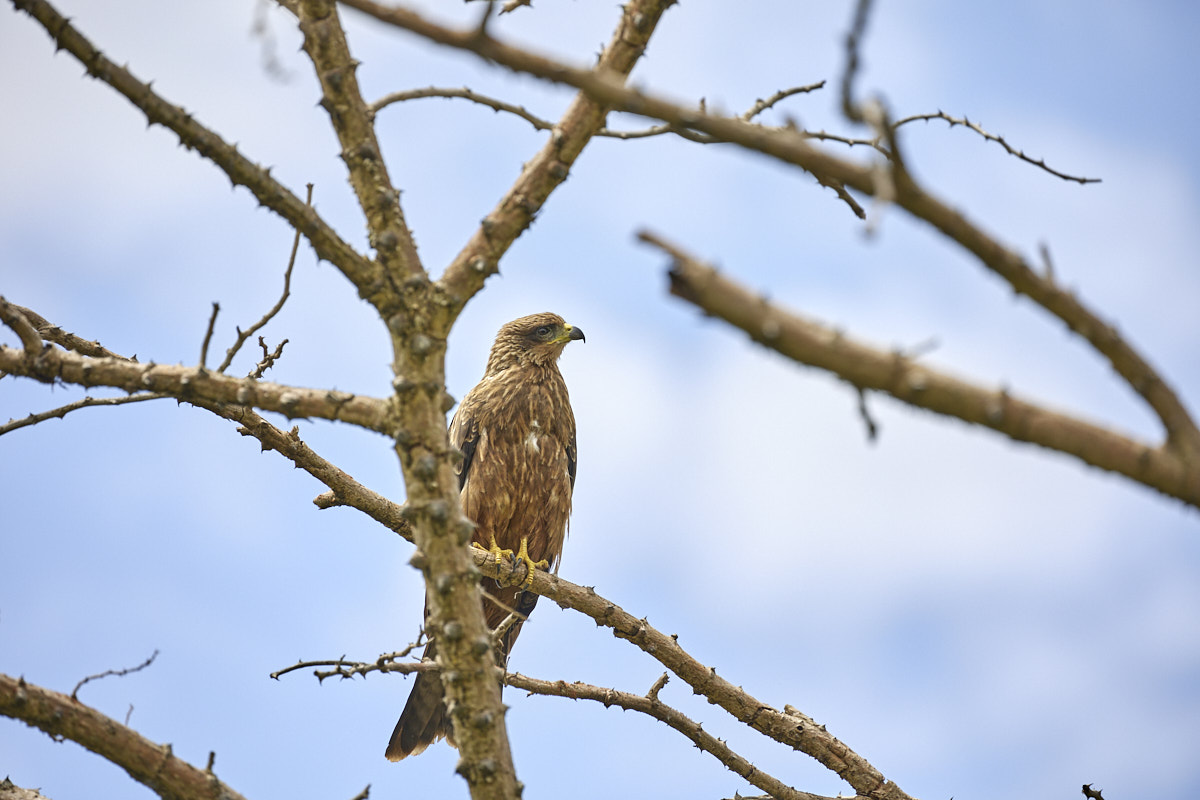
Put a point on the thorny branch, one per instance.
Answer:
(243, 335)
(155, 766)
(240, 170)
(896, 373)
(343, 489)
(792, 147)
(87, 402)
(543, 173)
(648, 704)
(789, 726)
(196, 384)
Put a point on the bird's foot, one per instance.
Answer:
(496, 550)
(530, 564)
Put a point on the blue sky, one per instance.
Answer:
(977, 618)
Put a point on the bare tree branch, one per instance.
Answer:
(10, 791)
(541, 124)
(240, 170)
(194, 383)
(343, 489)
(325, 43)
(152, 765)
(242, 336)
(465, 94)
(991, 137)
(792, 147)
(790, 726)
(550, 166)
(62, 411)
(810, 342)
(673, 718)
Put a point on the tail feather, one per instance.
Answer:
(424, 718)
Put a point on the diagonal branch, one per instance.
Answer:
(789, 727)
(343, 489)
(325, 43)
(651, 706)
(991, 137)
(550, 166)
(793, 147)
(815, 344)
(147, 763)
(63, 410)
(364, 273)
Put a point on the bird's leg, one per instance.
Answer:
(523, 555)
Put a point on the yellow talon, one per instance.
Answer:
(523, 555)
(495, 549)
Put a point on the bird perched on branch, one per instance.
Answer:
(516, 432)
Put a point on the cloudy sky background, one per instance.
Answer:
(977, 618)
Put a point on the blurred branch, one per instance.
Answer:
(154, 766)
(864, 367)
(10, 791)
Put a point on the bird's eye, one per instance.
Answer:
(543, 331)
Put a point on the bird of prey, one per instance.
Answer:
(516, 432)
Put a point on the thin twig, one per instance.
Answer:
(208, 334)
(762, 105)
(87, 402)
(112, 672)
(242, 336)
(991, 137)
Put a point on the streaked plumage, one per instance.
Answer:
(516, 432)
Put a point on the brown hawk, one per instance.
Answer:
(516, 432)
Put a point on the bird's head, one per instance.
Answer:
(538, 339)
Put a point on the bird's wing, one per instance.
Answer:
(572, 454)
(464, 434)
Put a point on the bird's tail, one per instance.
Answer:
(424, 718)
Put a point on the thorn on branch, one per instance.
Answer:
(865, 414)
(212, 322)
(658, 687)
(1047, 263)
(268, 360)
